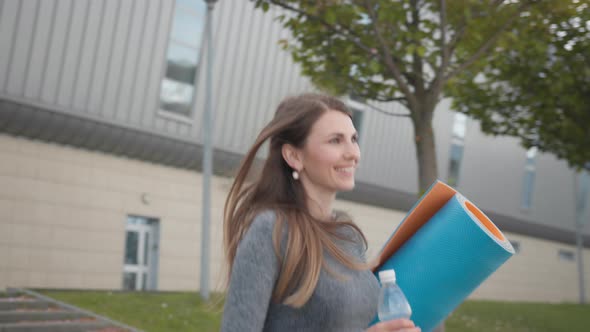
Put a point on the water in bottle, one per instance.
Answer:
(392, 301)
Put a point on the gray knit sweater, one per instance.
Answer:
(335, 305)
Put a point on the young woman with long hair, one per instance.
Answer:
(294, 263)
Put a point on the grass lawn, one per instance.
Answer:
(159, 312)
(151, 312)
(487, 316)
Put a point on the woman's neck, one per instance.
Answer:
(320, 206)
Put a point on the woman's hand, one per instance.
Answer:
(396, 325)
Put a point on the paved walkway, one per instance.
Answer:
(22, 310)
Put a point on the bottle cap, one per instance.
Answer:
(387, 276)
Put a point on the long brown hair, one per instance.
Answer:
(275, 189)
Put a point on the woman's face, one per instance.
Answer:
(330, 155)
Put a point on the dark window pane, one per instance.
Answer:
(530, 162)
(144, 282)
(176, 96)
(145, 249)
(183, 56)
(456, 152)
(131, 244)
(566, 255)
(456, 156)
(357, 120)
(188, 25)
(527, 192)
(182, 64)
(129, 279)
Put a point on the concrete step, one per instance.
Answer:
(16, 304)
(60, 326)
(20, 316)
(23, 310)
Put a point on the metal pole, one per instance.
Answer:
(580, 245)
(207, 157)
(580, 195)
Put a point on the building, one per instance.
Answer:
(100, 143)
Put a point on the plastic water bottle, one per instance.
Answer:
(392, 301)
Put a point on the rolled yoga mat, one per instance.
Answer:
(441, 252)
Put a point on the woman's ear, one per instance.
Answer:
(292, 157)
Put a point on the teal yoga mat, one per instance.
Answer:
(446, 259)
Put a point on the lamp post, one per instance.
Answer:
(581, 184)
(207, 155)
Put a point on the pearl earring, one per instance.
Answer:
(295, 175)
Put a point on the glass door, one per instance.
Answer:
(141, 247)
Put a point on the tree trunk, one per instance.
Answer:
(425, 153)
(426, 156)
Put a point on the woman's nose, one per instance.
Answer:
(352, 152)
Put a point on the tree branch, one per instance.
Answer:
(400, 100)
(387, 58)
(377, 97)
(382, 111)
(338, 30)
(452, 44)
(489, 43)
(355, 39)
(497, 3)
(438, 80)
(387, 100)
(443, 38)
(417, 64)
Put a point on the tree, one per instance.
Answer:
(539, 88)
(407, 51)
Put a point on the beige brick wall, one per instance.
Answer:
(537, 274)
(63, 212)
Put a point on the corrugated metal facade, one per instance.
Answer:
(104, 60)
(96, 59)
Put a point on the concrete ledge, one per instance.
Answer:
(25, 304)
(20, 316)
(107, 321)
(53, 326)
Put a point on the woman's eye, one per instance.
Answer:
(335, 140)
(355, 139)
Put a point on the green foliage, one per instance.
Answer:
(417, 51)
(538, 87)
(337, 45)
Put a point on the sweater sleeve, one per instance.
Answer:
(252, 280)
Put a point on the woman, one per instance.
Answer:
(294, 263)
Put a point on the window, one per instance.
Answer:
(456, 153)
(357, 121)
(182, 59)
(566, 255)
(516, 246)
(529, 178)
(357, 106)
